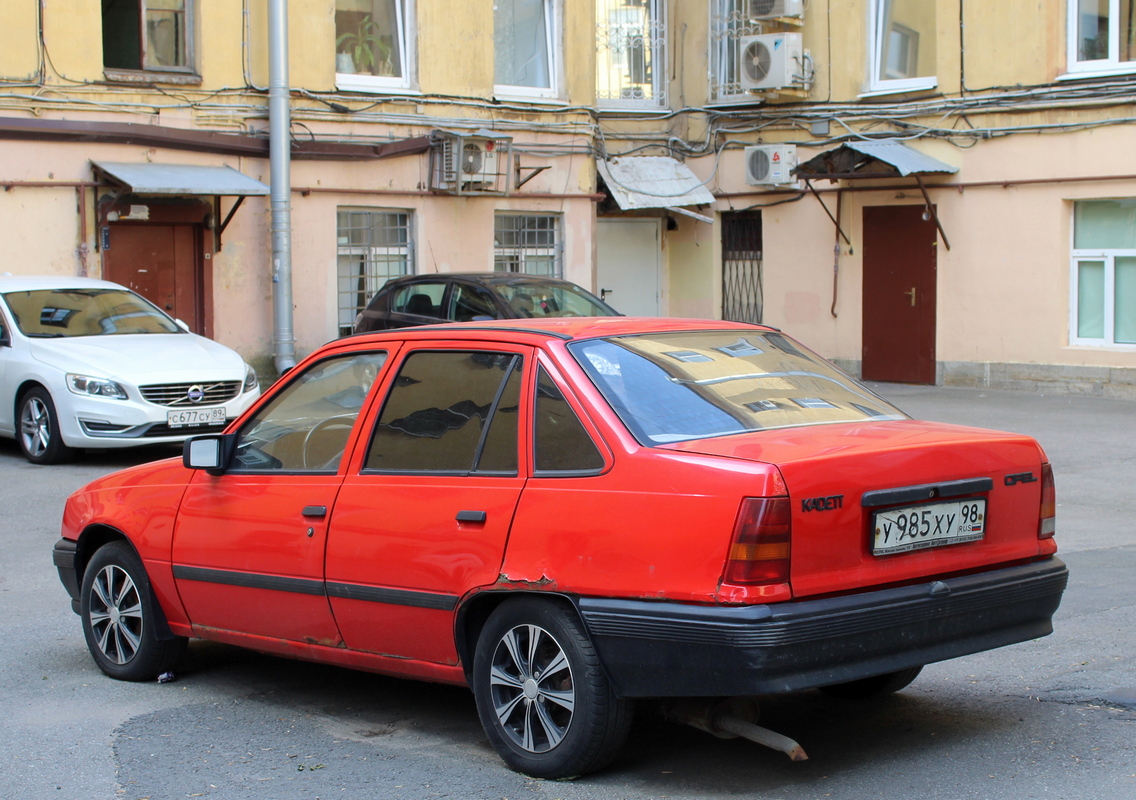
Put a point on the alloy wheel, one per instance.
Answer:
(35, 427)
(532, 690)
(116, 614)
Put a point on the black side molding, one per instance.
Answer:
(926, 491)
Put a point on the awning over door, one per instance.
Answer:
(180, 179)
(654, 182)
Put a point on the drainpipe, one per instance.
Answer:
(279, 122)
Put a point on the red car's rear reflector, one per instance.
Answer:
(760, 549)
(1048, 524)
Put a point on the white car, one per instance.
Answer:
(90, 364)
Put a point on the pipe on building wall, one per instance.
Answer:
(279, 122)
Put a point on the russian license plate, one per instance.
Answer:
(900, 530)
(195, 416)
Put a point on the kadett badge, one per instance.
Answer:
(830, 503)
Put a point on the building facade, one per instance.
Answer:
(929, 191)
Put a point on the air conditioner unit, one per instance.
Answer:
(464, 164)
(771, 61)
(770, 164)
(771, 9)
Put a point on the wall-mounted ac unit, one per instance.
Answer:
(469, 164)
(770, 164)
(771, 61)
(770, 9)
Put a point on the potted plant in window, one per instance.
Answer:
(363, 50)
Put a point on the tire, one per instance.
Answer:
(38, 432)
(542, 694)
(119, 617)
(875, 686)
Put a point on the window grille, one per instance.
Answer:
(374, 246)
(528, 244)
(631, 40)
(729, 22)
(741, 267)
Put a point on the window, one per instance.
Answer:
(901, 45)
(630, 48)
(374, 246)
(729, 22)
(147, 34)
(528, 244)
(453, 412)
(560, 441)
(306, 427)
(1103, 309)
(524, 42)
(371, 44)
(1102, 36)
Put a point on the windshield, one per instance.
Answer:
(552, 300)
(673, 387)
(85, 312)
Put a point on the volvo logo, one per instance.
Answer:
(195, 394)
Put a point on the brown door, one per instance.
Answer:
(899, 295)
(160, 262)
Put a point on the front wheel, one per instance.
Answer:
(39, 435)
(875, 686)
(119, 617)
(542, 694)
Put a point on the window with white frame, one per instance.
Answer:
(901, 45)
(729, 22)
(528, 243)
(374, 245)
(525, 48)
(148, 34)
(371, 47)
(1103, 310)
(630, 53)
(1102, 36)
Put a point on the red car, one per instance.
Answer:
(568, 514)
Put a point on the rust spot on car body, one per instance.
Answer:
(507, 581)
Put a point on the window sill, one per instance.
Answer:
(640, 110)
(348, 82)
(906, 88)
(510, 94)
(147, 76)
(1122, 70)
(1093, 347)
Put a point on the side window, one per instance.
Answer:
(420, 299)
(453, 412)
(560, 441)
(148, 35)
(305, 428)
(467, 302)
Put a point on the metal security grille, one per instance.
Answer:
(631, 37)
(179, 394)
(741, 267)
(374, 246)
(729, 22)
(528, 244)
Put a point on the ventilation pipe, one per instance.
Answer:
(279, 122)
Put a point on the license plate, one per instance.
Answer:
(900, 530)
(195, 416)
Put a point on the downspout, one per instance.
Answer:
(279, 122)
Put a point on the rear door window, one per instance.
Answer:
(419, 299)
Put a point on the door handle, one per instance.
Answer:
(314, 511)
(911, 294)
(471, 516)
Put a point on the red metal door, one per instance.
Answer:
(159, 262)
(899, 295)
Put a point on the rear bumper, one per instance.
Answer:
(675, 650)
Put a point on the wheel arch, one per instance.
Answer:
(21, 390)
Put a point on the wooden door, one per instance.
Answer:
(159, 262)
(899, 295)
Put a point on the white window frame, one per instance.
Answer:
(1109, 258)
(877, 36)
(383, 84)
(368, 253)
(655, 43)
(1110, 65)
(553, 41)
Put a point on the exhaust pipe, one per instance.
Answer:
(729, 719)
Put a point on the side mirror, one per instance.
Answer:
(210, 452)
(183, 326)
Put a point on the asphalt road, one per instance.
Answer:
(1054, 718)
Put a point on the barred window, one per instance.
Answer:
(373, 247)
(729, 22)
(528, 244)
(630, 48)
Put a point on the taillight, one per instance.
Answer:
(1048, 524)
(759, 552)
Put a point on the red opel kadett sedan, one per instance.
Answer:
(568, 514)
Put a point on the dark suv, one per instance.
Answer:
(466, 296)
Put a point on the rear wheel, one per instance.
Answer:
(39, 435)
(542, 695)
(875, 686)
(119, 617)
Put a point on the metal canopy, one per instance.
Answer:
(654, 182)
(180, 179)
(859, 160)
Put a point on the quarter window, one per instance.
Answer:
(528, 244)
(560, 441)
(524, 47)
(630, 51)
(371, 44)
(901, 45)
(147, 34)
(1102, 36)
(1103, 307)
(374, 246)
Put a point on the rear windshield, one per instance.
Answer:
(672, 387)
(53, 313)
